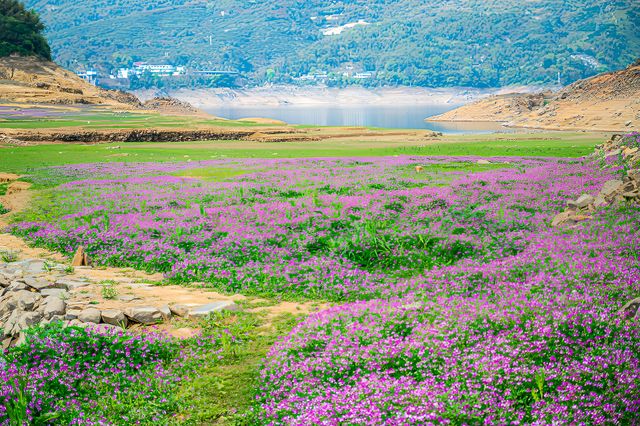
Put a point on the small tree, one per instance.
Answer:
(21, 31)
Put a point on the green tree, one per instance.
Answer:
(21, 31)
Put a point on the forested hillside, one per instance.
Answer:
(477, 43)
(21, 31)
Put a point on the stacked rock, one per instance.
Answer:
(613, 192)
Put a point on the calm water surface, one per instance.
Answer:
(394, 117)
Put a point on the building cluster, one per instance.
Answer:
(141, 68)
(323, 76)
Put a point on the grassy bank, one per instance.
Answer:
(23, 159)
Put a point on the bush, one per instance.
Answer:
(21, 31)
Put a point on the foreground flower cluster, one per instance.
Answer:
(466, 306)
(531, 339)
(76, 376)
(336, 229)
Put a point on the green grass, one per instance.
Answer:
(23, 159)
(211, 174)
(3, 188)
(556, 147)
(107, 120)
(224, 391)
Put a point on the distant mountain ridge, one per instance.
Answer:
(433, 43)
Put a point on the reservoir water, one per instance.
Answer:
(382, 116)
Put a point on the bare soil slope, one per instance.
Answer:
(496, 108)
(606, 102)
(34, 81)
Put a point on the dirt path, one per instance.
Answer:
(137, 288)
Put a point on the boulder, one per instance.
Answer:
(8, 303)
(70, 285)
(80, 258)
(181, 310)
(166, 312)
(610, 187)
(38, 284)
(55, 292)
(146, 315)
(27, 320)
(27, 300)
(72, 314)
(90, 315)
(54, 306)
(210, 308)
(32, 266)
(583, 202)
(114, 317)
(613, 153)
(484, 162)
(562, 219)
(631, 309)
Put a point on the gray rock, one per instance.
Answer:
(6, 343)
(114, 317)
(210, 308)
(613, 153)
(72, 314)
(17, 286)
(38, 284)
(55, 292)
(610, 187)
(181, 310)
(166, 312)
(90, 315)
(584, 201)
(8, 303)
(70, 285)
(7, 329)
(27, 300)
(27, 320)
(146, 315)
(54, 306)
(32, 266)
(600, 201)
(631, 309)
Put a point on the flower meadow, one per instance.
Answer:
(76, 376)
(456, 302)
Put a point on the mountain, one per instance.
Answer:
(21, 31)
(606, 102)
(433, 43)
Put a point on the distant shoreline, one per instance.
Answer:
(323, 96)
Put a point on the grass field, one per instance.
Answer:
(23, 159)
(96, 120)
